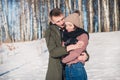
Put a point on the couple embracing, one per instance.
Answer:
(66, 43)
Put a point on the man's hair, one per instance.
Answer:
(55, 12)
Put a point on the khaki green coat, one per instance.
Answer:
(53, 39)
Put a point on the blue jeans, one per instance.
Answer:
(75, 72)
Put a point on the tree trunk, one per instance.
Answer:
(106, 16)
(67, 6)
(81, 13)
(42, 15)
(4, 23)
(28, 23)
(70, 6)
(91, 16)
(22, 21)
(55, 3)
(0, 23)
(116, 14)
(48, 6)
(99, 17)
(58, 3)
(34, 20)
(74, 4)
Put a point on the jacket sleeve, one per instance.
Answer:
(56, 51)
(75, 53)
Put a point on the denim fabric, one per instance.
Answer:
(75, 72)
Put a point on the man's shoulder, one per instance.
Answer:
(53, 27)
(50, 28)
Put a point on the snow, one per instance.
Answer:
(29, 60)
(24, 61)
(104, 50)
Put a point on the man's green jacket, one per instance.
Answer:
(57, 51)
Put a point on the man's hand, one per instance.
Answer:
(83, 57)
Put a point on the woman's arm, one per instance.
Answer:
(75, 53)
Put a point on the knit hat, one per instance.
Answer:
(74, 19)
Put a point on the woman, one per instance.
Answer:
(74, 69)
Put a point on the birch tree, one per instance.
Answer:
(5, 23)
(91, 15)
(55, 3)
(34, 20)
(42, 16)
(81, 13)
(106, 16)
(75, 4)
(48, 1)
(27, 22)
(22, 21)
(58, 3)
(99, 16)
(116, 11)
(70, 6)
(67, 6)
(0, 23)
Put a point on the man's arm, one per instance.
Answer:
(54, 50)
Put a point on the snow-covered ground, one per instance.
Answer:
(28, 60)
(104, 50)
(24, 61)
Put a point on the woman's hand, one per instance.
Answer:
(80, 44)
(72, 47)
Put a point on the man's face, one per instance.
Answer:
(58, 20)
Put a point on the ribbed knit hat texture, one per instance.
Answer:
(73, 18)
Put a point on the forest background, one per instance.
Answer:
(27, 20)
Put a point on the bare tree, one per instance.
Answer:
(81, 13)
(99, 15)
(67, 5)
(48, 1)
(106, 16)
(91, 16)
(116, 15)
(55, 3)
(70, 5)
(0, 22)
(22, 21)
(27, 11)
(58, 3)
(34, 20)
(75, 4)
(42, 16)
(5, 23)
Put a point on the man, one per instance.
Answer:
(56, 50)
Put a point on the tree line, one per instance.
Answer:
(26, 20)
